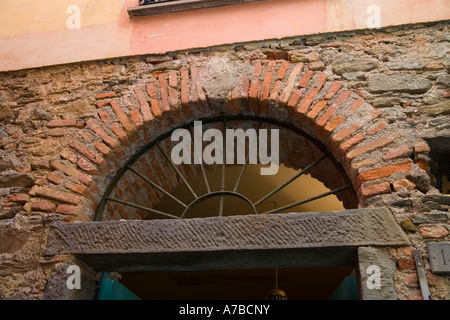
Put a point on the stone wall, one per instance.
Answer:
(377, 100)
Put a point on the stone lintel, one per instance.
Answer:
(244, 241)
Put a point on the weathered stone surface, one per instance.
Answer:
(398, 83)
(295, 56)
(386, 102)
(15, 179)
(406, 65)
(442, 199)
(429, 218)
(57, 289)
(354, 76)
(295, 232)
(350, 64)
(443, 79)
(433, 96)
(376, 258)
(439, 109)
(11, 239)
(168, 65)
(408, 225)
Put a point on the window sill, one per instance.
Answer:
(180, 5)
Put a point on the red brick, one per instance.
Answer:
(229, 103)
(253, 96)
(136, 118)
(105, 95)
(406, 264)
(374, 190)
(282, 70)
(265, 87)
(383, 172)
(257, 69)
(152, 89)
(67, 209)
(54, 177)
(86, 166)
(173, 98)
(236, 101)
(145, 108)
(286, 93)
(399, 152)
(312, 93)
(104, 116)
(173, 79)
(315, 111)
(184, 87)
(123, 118)
(85, 135)
(57, 132)
(62, 123)
(422, 164)
(292, 104)
(68, 155)
(410, 280)
(70, 171)
(102, 134)
(103, 103)
(54, 194)
(17, 197)
(275, 90)
(377, 127)
(121, 135)
(365, 163)
(43, 205)
(332, 125)
(332, 90)
(164, 92)
(433, 232)
(76, 187)
(305, 79)
(375, 113)
(88, 153)
(350, 143)
(373, 145)
(358, 103)
(342, 134)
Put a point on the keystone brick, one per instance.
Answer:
(383, 172)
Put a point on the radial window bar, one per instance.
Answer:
(222, 192)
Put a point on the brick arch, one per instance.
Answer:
(373, 154)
